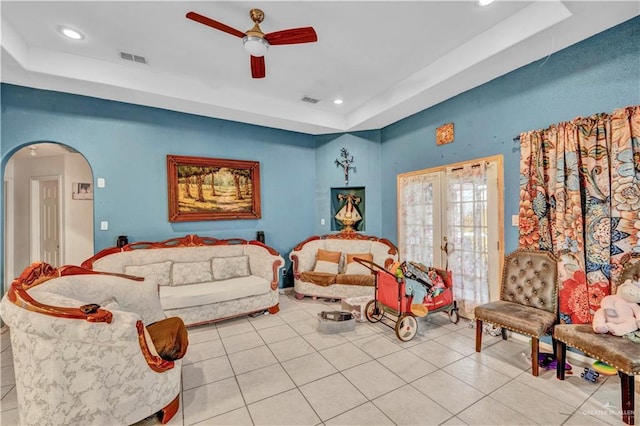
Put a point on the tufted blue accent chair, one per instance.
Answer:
(528, 299)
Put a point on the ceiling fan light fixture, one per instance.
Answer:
(255, 46)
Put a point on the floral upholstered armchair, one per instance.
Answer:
(83, 353)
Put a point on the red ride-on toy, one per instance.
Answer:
(391, 302)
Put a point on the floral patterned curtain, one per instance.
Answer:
(580, 198)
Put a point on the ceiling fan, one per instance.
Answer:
(255, 41)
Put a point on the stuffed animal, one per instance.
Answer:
(619, 313)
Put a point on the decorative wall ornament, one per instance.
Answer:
(345, 163)
(348, 209)
(444, 134)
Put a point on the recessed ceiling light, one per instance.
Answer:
(484, 2)
(337, 101)
(71, 33)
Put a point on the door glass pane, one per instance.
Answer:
(454, 203)
(467, 229)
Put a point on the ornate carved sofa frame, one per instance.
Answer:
(303, 256)
(201, 300)
(76, 361)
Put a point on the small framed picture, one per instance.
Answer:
(444, 134)
(82, 191)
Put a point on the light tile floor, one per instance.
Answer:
(279, 370)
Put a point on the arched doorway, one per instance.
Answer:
(48, 213)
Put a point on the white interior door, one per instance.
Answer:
(452, 217)
(45, 220)
(50, 222)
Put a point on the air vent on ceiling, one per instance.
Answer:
(134, 58)
(310, 100)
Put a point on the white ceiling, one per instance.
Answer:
(386, 59)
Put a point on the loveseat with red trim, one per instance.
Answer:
(308, 282)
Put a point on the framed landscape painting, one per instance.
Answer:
(202, 188)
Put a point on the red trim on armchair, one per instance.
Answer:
(41, 272)
(156, 363)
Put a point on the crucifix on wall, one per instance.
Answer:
(345, 163)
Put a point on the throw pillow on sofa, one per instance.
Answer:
(159, 272)
(327, 261)
(169, 337)
(225, 268)
(355, 268)
(185, 273)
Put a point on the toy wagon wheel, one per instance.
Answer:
(406, 327)
(374, 311)
(453, 316)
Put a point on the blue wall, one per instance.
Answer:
(365, 149)
(597, 75)
(127, 145)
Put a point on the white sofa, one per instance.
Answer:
(303, 256)
(92, 367)
(201, 279)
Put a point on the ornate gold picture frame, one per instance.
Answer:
(202, 188)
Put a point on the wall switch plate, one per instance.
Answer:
(104, 225)
(322, 221)
(101, 183)
(515, 220)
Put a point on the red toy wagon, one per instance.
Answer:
(391, 301)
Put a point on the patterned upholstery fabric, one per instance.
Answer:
(192, 264)
(72, 371)
(304, 259)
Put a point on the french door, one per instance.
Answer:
(451, 217)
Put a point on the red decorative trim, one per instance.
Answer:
(170, 410)
(349, 236)
(294, 259)
(41, 272)
(274, 309)
(276, 279)
(155, 362)
(190, 240)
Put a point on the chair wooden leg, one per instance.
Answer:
(534, 356)
(561, 357)
(627, 389)
(170, 410)
(478, 335)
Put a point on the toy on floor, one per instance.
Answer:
(590, 375)
(619, 313)
(598, 368)
(604, 369)
(549, 362)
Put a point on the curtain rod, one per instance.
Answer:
(486, 163)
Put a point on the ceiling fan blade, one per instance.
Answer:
(257, 67)
(214, 24)
(292, 36)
